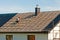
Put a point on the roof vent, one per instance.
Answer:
(17, 19)
(37, 10)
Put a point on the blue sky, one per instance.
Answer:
(13, 6)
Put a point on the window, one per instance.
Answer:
(9, 37)
(31, 37)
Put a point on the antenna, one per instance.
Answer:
(37, 3)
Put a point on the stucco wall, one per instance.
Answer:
(23, 36)
(54, 33)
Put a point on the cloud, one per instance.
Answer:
(15, 9)
(11, 9)
(50, 8)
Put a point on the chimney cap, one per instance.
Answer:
(37, 6)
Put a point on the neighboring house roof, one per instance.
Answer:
(28, 22)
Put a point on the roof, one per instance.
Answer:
(28, 22)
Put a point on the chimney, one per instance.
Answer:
(37, 10)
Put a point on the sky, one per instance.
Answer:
(21, 6)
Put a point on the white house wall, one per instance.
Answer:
(20, 36)
(54, 33)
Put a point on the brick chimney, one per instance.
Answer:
(37, 10)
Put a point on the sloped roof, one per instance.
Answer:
(5, 17)
(28, 22)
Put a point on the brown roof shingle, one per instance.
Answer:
(29, 23)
